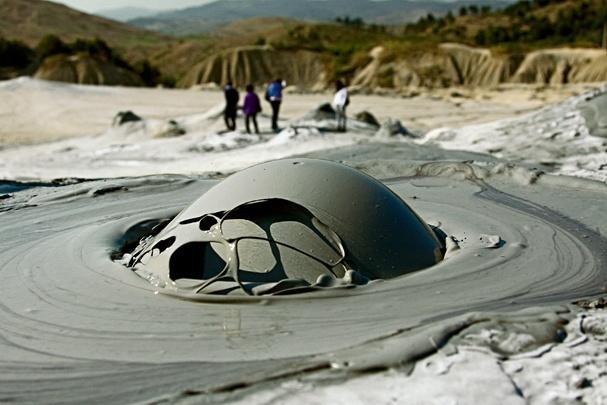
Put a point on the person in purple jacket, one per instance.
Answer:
(252, 107)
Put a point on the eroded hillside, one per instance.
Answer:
(544, 41)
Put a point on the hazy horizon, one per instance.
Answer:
(94, 6)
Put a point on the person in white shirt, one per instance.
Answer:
(340, 102)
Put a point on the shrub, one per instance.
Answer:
(51, 45)
(481, 38)
(15, 54)
(148, 73)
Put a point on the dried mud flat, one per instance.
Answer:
(496, 321)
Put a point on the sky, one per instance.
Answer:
(90, 6)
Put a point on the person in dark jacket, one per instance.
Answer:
(252, 107)
(274, 97)
(229, 114)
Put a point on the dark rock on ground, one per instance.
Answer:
(392, 128)
(367, 118)
(124, 117)
(322, 112)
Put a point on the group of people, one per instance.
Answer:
(273, 95)
(252, 105)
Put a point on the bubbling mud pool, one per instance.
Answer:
(78, 326)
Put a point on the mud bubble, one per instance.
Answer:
(287, 226)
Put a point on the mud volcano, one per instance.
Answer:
(288, 226)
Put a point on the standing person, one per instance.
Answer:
(229, 114)
(252, 107)
(274, 97)
(340, 102)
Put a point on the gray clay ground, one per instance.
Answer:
(495, 322)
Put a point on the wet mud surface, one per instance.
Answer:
(80, 327)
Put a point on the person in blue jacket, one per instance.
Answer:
(274, 97)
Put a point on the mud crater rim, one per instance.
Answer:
(147, 229)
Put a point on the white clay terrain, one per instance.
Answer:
(515, 177)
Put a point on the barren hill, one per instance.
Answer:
(460, 65)
(85, 69)
(30, 20)
(259, 65)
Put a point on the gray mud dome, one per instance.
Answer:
(288, 226)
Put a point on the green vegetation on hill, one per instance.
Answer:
(344, 46)
(526, 24)
(579, 22)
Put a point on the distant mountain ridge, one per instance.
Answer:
(123, 14)
(208, 17)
